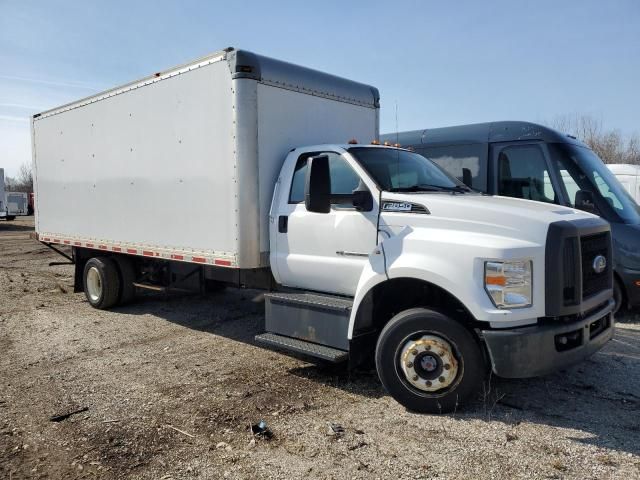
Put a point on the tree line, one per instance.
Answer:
(610, 145)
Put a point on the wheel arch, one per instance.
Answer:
(386, 298)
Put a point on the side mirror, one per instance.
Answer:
(584, 201)
(317, 188)
(362, 198)
(466, 177)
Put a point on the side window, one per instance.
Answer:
(523, 173)
(343, 179)
(456, 158)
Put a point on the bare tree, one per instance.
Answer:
(609, 145)
(25, 177)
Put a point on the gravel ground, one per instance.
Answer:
(170, 386)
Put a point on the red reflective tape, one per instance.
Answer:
(46, 239)
(226, 263)
(90, 245)
(55, 240)
(102, 247)
(116, 249)
(177, 257)
(147, 253)
(67, 242)
(132, 250)
(77, 244)
(198, 259)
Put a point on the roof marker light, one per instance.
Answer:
(387, 143)
(353, 141)
(375, 142)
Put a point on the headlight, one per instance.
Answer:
(508, 283)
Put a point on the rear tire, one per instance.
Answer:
(428, 362)
(10, 217)
(127, 273)
(101, 282)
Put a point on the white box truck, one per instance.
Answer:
(245, 171)
(629, 176)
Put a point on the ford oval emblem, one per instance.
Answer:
(599, 264)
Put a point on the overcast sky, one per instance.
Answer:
(442, 63)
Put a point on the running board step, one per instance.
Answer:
(281, 342)
(310, 317)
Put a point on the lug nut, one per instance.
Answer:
(428, 347)
(409, 364)
(428, 383)
(415, 378)
(441, 379)
(414, 352)
(447, 366)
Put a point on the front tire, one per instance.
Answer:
(101, 282)
(428, 362)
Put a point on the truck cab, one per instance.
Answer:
(379, 253)
(534, 162)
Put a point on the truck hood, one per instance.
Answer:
(514, 218)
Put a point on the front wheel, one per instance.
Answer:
(428, 362)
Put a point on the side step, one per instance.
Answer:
(281, 342)
(310, 317)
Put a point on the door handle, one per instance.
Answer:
(283, 223)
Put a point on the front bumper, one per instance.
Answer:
(539, 350)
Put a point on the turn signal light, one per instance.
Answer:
(497, 280)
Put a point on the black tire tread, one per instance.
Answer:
(419, 319)
(108, 270)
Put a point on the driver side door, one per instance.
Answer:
(324, 251)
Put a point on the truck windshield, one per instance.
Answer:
(581, 169)
(396, 170)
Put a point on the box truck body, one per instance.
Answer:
(182, 164)
(629, 176)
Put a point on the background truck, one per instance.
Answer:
(17, 204)
(629, 177)
(534, 162)
(369, 254)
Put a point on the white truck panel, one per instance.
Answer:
(152, 166)
(289, 119)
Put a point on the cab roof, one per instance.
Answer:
(507, 131)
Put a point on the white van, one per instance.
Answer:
(629, 177)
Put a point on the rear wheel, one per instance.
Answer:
(428, 362)
(101, 282)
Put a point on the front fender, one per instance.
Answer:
(454, 261)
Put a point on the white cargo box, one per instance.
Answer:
(182, 164)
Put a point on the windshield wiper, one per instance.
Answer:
(417, 188)
(425, 187)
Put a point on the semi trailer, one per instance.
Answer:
(244, 171)
(3, 205)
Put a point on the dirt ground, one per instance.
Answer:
(170, 386)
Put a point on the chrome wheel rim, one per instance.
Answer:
(428, 363)
(94, 284)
